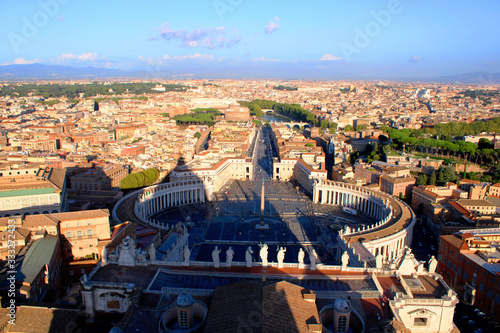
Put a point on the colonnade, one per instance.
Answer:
(377, 205)
(352, 196)
(166, 199)
(163, 196)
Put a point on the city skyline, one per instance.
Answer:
(238, 39)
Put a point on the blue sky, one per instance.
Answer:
(328, 38)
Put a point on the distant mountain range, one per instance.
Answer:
(279, 71)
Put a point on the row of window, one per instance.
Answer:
(79, 233)
(78, 224)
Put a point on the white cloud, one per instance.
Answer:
(272, 26)
(71, 58)
(208, 38)
(265, 59)
(330, 57)
(89, 56)
(416, 59)
(22, 61)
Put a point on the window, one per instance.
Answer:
(459, 270)
(466, 276)
(183, 319)
(78, 224)
(89, 232)
(88, 223)
(474, 276)
(82, 271)
(342, 327)
(481, 286)
(67, 225)
(420, 322)
(68, 234)
(79, 233)
(490, 293)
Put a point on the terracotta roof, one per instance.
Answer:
(35, 319)
(279, 307)
(453, 240)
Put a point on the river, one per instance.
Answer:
(274, 117)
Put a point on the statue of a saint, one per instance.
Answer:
(187, 254)
(345, 260)
(301, 258)
(263, 254)
(248, 256)
(432, 264)
(229, 256)
(281, 256)
(313, 256)
(215, 257)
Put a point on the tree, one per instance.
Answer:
(432, 179)
(324, 124)
(422, 179)
(361, 127)
(139, 179)
(197, 135)
(484, 144)
(348, 128)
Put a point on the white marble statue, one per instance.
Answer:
(345, 260)
(229, 256)
(215, 257)
(187, 254)
(313, 257)
(281, 256)
(152, 252)
(263, 254)
(301, 258)
(104, 256)
(248, 256)
(127, 252)
(432, 264)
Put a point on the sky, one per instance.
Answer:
(247, 38)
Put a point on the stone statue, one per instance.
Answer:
(215, 257)
(379, 261)
(152, 252)
(432, 264)
(313, 256)
(248, 256)
(229, 256)
(127, 252)
(104, 256)
(345, 260)
(263, 254)
(187, 254)
(301, 258)
(281, 256)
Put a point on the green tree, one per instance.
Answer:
(432, 179)
(361, 127)
(348, 128)
(422, 179)
(197, 135)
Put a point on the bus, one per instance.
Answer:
(350, 210)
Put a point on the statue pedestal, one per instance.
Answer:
(262, 227)
(301, 266)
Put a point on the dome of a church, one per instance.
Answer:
(342, 304)
(184, 300)
(115, 330)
